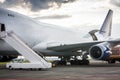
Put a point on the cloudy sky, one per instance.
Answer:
(78, 14)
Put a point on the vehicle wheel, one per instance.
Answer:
(10, 67)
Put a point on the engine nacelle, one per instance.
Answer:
(100, 52)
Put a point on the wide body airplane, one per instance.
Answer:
(51, 40)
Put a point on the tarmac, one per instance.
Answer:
(94, 71)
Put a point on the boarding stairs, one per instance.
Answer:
(35, 61)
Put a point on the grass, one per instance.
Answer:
(3, 63)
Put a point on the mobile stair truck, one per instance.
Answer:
(35, 61)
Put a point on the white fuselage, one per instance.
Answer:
(36, 33)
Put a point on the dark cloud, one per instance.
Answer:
(35, 5)
(11, 3)
(54, 17)
(115, 2)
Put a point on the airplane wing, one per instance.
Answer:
(80, 46)
(73, 47)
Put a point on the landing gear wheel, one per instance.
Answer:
(85, 62)
(62, 63)
(79, 62)
(75, 62)
(112, 61)
(72, 62)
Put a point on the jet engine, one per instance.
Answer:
(100, 51)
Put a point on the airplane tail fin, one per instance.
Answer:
(106, 26)
(105, 29)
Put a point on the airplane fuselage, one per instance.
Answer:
(35, 33)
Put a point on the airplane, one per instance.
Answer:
(51, 40)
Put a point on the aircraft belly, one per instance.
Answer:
(6, 49)
(9, 53)
(54, 53)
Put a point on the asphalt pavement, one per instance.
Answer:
(94, 71)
